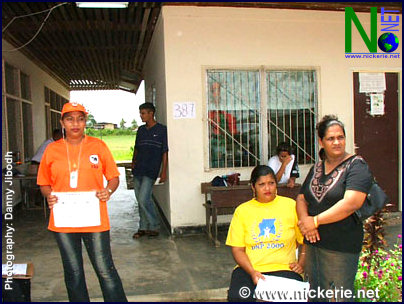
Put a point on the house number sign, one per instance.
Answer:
(184, 110)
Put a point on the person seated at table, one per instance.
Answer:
(36, 159)
(263, 236)
(56, 135)
(284, 164)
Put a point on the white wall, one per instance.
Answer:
(38, 80)
(196, 38)
(155, 83)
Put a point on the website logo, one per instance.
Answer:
(387, 42)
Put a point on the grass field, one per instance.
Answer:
(120, 146)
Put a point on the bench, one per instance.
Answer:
(224, 200)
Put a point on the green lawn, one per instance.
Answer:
(120, 146)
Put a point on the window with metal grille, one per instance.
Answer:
(233, 118)
(291, 104)
(53, 109)
(236, 102)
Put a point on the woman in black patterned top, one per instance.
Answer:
(335, 187)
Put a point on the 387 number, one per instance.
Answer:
(184, 110)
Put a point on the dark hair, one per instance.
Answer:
(57, 134)
(261, 170)
(283, 147)
(322, 127)
(147, 106)
(326, 122)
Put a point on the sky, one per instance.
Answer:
(111, 105)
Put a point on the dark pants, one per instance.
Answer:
(99, 252)
(242, 286)
(328, 269)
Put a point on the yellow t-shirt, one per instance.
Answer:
(269, 232)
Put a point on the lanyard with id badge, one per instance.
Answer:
(74, 174)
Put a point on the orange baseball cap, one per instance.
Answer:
(73, 107)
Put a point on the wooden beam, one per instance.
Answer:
(142, 35)
(327, 6)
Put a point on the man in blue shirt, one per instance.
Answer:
(149, 155)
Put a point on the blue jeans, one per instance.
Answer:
(99, 252)
(328, 269)
(147, 210)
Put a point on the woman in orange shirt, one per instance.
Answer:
(77, 163)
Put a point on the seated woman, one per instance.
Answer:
(263, 236)
(284, 164)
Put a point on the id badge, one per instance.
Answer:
(73, 179)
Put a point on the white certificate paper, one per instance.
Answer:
(76, 209)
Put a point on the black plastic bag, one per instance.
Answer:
(219, 181)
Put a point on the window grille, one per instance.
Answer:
(291, 104)
(27, 130)
(233, 118)
(235, 126)
(14, 125)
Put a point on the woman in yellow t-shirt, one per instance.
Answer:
(263, 236)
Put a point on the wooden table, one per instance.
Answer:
(30, 181)
(19, 289)
(224, 200)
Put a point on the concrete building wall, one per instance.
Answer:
(155, 92)
(197, 38)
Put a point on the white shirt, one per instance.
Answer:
(276, 164)
(38, 155)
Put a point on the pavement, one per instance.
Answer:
(165, 268)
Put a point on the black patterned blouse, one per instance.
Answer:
(322, 191)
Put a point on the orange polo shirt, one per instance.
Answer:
(95, 162)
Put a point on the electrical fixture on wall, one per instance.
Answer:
(102, 4)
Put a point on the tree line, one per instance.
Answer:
(122, 130)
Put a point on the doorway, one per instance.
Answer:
(377, 134)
